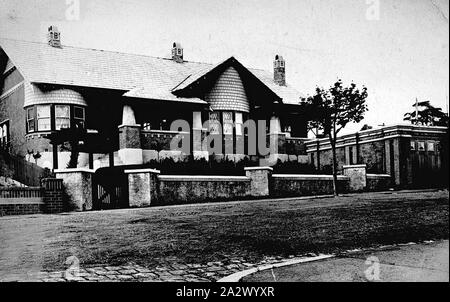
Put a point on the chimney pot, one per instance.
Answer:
(54, 37)
(177, 52)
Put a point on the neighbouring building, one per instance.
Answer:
(130, 101)
(413, 156)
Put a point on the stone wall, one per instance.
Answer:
(285, 185)
(192, 189)
(378, 182)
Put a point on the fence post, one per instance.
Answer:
(53, 195)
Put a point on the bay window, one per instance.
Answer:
(51, 117)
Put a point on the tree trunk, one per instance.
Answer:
(333, 151)
(74, 153)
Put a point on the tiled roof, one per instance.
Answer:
(136, 75)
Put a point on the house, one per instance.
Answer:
(126, 104)
(414, 156)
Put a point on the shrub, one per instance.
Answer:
(291, 167)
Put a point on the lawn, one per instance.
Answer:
(215, 232)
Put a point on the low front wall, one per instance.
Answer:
(21, 201)
(191, 189)
(378, 182)
(33, 200)
(285, 185)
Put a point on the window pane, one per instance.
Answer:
(31, 126)
(62, 111)
(430, 146)
(44, 124)
(421, 146)
(62, 123)
(78, 113)
(43, 111)
(228, 123)
(214, 123)
(30, 113)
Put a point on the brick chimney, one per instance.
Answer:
(279, 71)
(54, 37)
(177, 52)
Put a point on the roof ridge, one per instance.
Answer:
(105, 50)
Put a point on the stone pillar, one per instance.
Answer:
(387, 157)
(142, 187)
(53, 195)
(197, 136)
(130, 152)
(397, 176)
(78, 187)
(348, 160)
(259, 180)
(358, 177)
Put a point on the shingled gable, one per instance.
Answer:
(196, 84)
(135, 76)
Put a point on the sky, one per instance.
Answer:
(398, 49)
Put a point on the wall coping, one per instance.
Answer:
(202, 178)
(378, 176)
(74, 170)
(21, 200)
(258, 168)
(136, 171)
(155, 131)
(125, 125)
(354, 166)
(309, 176)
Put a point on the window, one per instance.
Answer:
(430, 146)
(62, 117)
(43, 118)
(214, 123)
(79, 116)
(4, 134)
(412, 145)
(421, 146)
(54, 117)
(30, 119)
(227, 123)
(146, 126)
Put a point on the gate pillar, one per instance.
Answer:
(142, 187)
